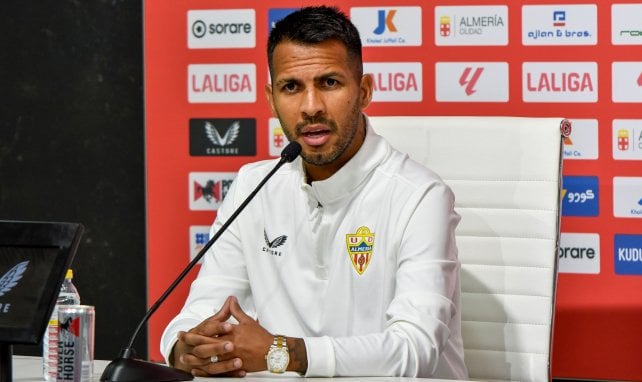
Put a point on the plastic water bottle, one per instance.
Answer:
(68, 296)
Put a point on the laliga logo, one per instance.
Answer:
(469, 81)
(11, 278)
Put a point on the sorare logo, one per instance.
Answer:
(221, 28)
(628, 254)
(222, 137)
(579, 253)
(580, 196)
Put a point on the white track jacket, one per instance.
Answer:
(362, 265)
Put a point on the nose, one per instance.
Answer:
(312, 103)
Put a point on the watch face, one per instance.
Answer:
(277, 360)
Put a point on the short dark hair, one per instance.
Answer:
(314, 25)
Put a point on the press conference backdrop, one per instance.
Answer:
(206, 115)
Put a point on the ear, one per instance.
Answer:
(270, 99)
(365, 90)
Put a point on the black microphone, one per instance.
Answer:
(126, 367)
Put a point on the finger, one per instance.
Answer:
(208, 350)
(223, 367)
(223, 314)
(195, 339)
(238, 313)
(212, 328)
(193, 361)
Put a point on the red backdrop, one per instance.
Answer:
(205, 69)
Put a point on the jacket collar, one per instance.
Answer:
(349, 177)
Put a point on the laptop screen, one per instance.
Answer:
(34, 257)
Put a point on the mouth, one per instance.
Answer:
(315, 135)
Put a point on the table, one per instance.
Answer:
(29, 369)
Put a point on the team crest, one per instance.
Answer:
(360, 247)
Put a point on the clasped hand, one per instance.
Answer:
(217, 347)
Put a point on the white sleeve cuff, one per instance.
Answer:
(321, 362)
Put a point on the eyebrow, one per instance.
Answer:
(324, 76)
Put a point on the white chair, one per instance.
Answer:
(506, 176)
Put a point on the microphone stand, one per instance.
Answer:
(126, 367)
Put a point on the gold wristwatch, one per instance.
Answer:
(278, 356)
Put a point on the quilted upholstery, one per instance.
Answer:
(506, 176)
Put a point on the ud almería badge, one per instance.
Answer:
(360, 245)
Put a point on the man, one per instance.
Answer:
(345, 264)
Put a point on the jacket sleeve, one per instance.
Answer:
(222, 274)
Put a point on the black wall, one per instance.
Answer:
(72, 145)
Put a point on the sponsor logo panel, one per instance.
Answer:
(222, 137)
(277, 139)
(559, 24)
(559, 81)
(627, 197)
(626, 24)
(199, 235)
(583, 141)
(627, 139)
(579, 253)
(580, 196)
(276, 14)
(221, 83)
(626, 81)
(396, 81)
(223, 28)
(388, 26)
(208, 189)
(471, 81)
(628, 254)
(471, 25)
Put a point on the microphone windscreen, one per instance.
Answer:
(291, 151)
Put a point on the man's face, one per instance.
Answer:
(318, 97)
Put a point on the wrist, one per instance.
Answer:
(298, 355)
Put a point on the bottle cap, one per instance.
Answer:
(70, 274)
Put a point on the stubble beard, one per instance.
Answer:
(346, 138)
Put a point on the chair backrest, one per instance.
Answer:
(506, 176)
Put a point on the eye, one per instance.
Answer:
(331, 82)
(289, 87)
